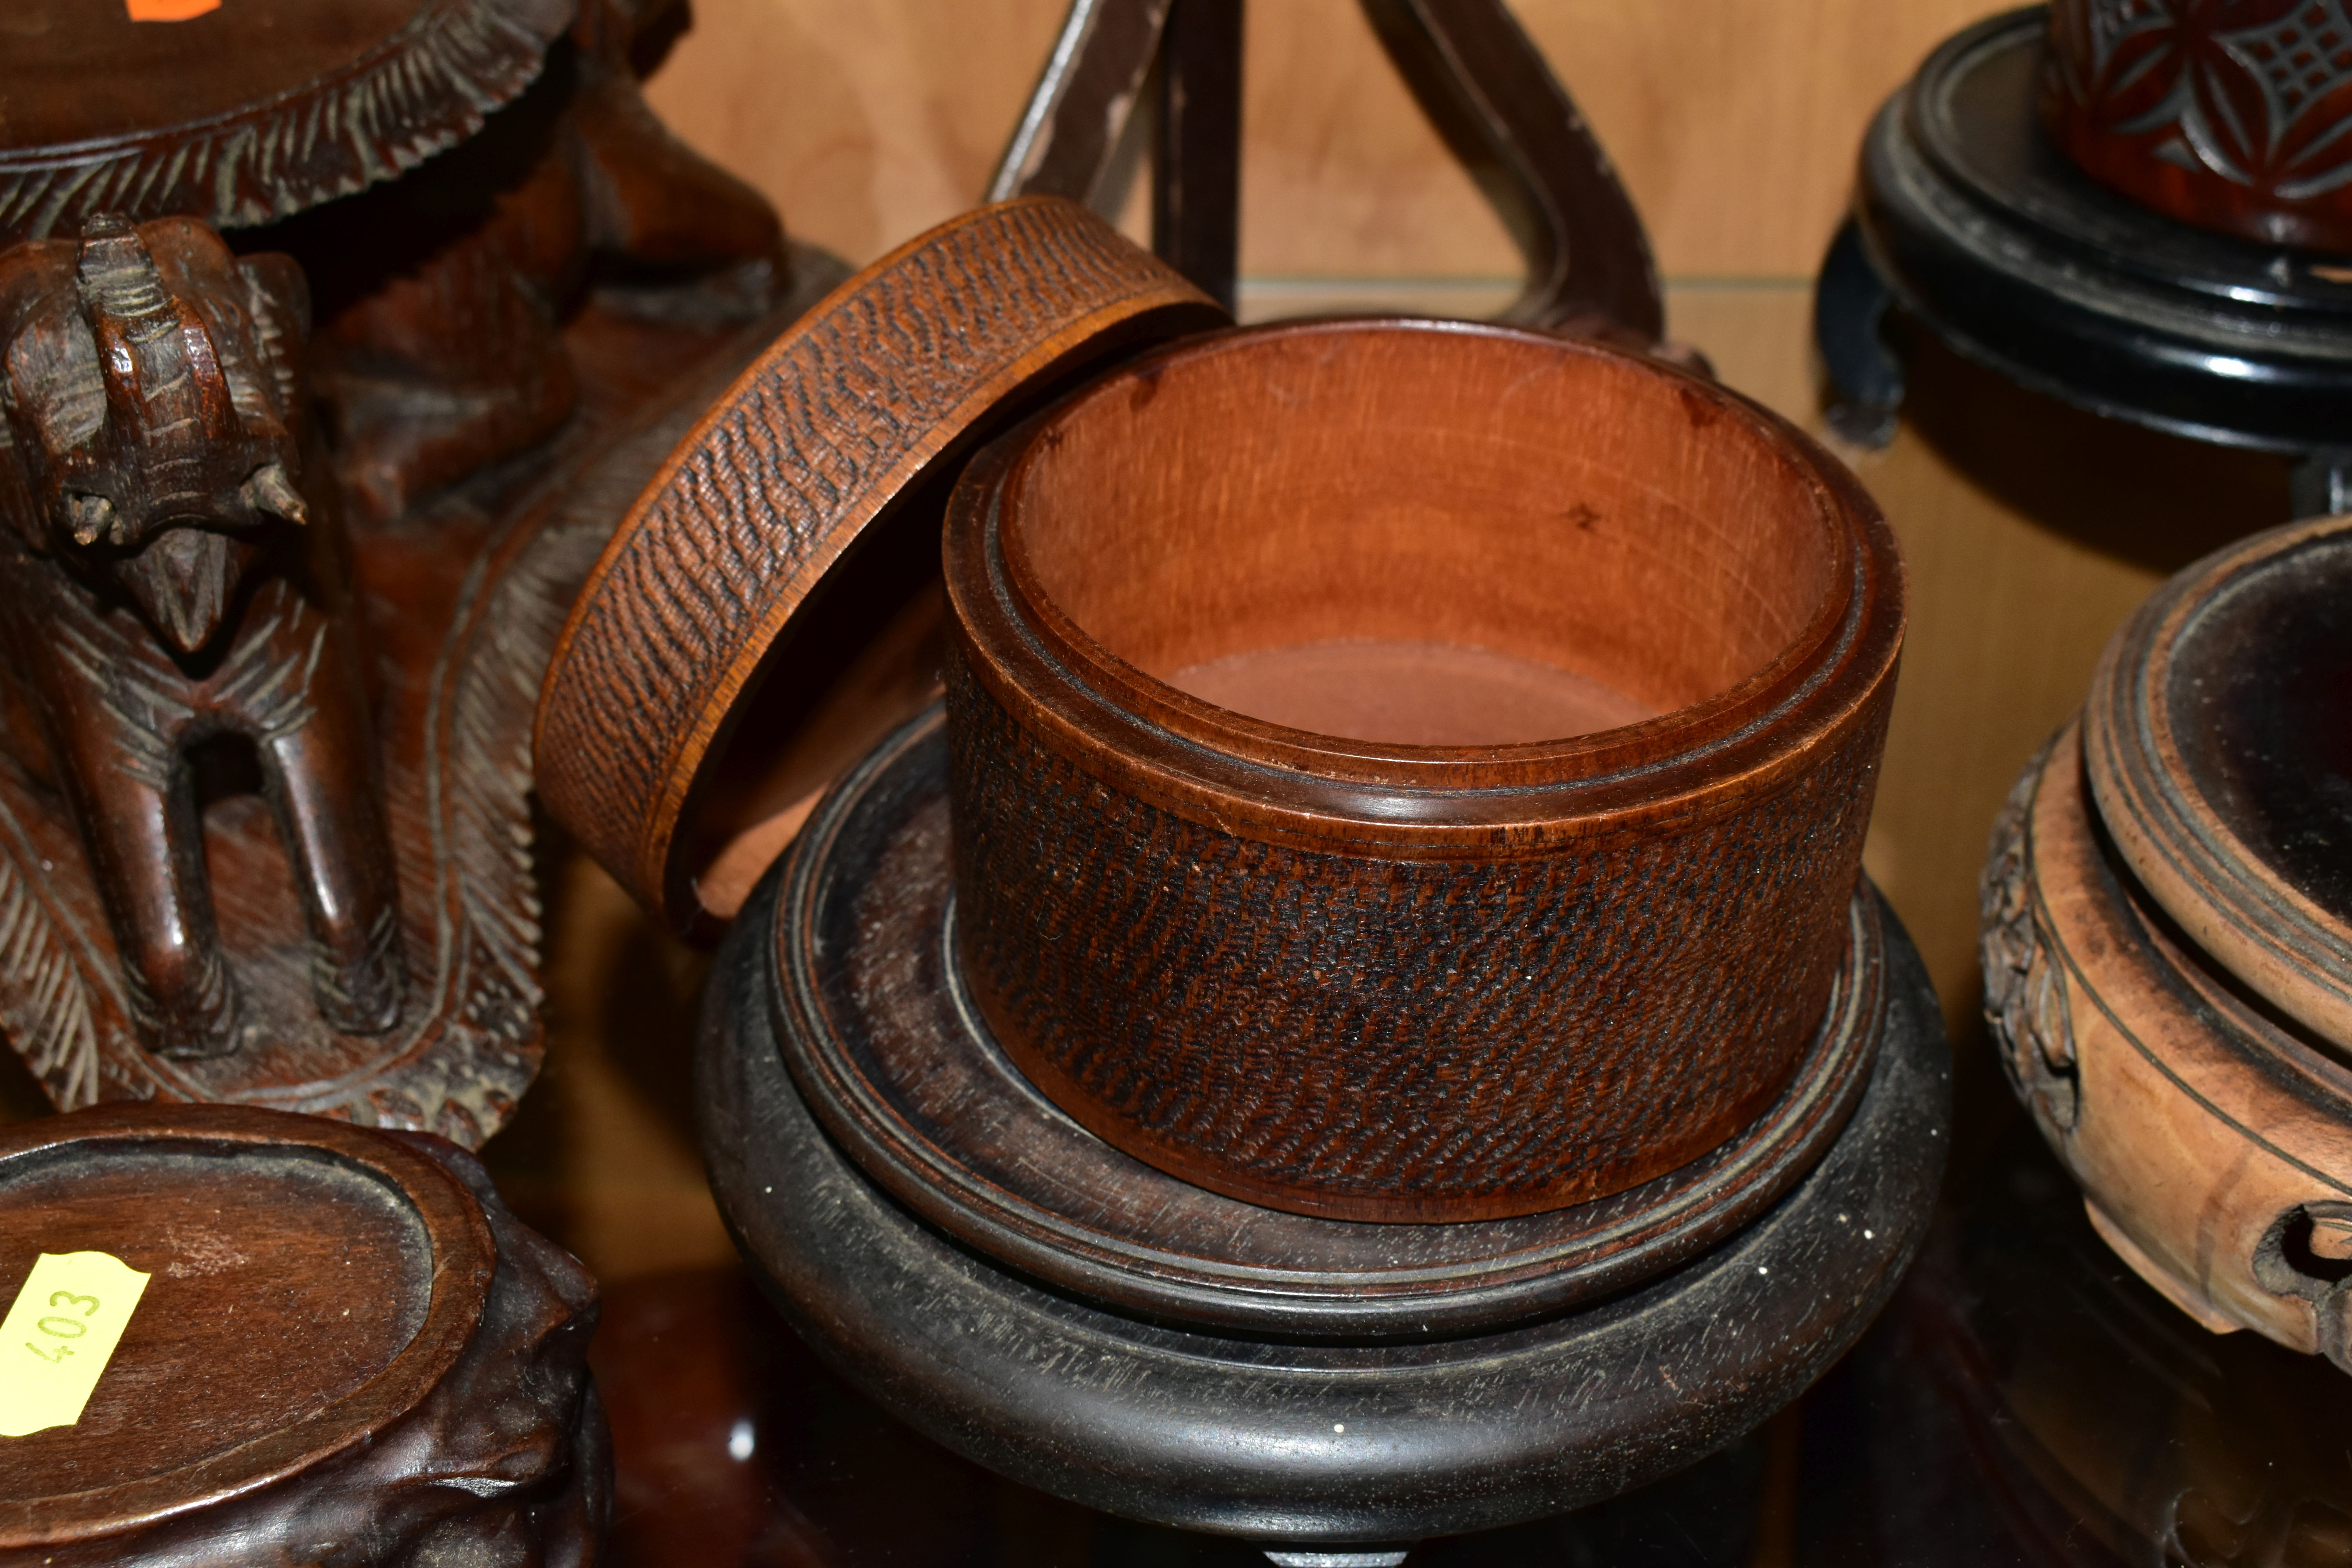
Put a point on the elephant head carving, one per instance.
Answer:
(151, 401)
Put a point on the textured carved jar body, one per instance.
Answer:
(1410, 982)
(2228, 114)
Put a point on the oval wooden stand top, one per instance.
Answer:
(1309, 1445)
(879, 386)
(892, 1055)
(311, 1283)
(252, 112)
(2217, 745)
(315, 1288)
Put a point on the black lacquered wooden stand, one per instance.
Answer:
(1970, 220)
(1337, 1441)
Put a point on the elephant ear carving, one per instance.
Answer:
(52, 397)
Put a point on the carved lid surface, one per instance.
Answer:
(820, 466)
(253, 111)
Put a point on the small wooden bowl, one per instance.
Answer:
(1364, 937)
(2229, 117)
(2212, 1139)
(346, 1350)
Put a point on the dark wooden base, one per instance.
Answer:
(734, 1445)
(1305, 1444)
(2027, 1399)
(1969, 218)
(463, 602)
(889, 1051)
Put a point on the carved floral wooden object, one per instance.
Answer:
(2167, 952)
(2228, 114)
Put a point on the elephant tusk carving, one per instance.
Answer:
(269, 490)
(92, 518)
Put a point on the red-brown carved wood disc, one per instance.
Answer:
(2231, 116)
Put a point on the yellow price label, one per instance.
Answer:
(59, 1335)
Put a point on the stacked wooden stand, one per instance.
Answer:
(1299, 960)
(1219, 1121)
(2168, 958)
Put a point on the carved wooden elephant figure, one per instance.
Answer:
(175, 573)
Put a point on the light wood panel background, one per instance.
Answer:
(1734, 123)
(2030, 531)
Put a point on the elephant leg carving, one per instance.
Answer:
(134, 797)
(311, 738)
(173, 579)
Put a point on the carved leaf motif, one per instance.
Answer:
(2025, 992)
(47, 1014)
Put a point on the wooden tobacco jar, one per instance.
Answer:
(1173, 1067)
(2167, 942)
(244, 1336)
(1272, 868)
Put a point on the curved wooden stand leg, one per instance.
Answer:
(1478, 77)
(1849, 306)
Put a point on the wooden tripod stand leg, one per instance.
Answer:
(1474, 71)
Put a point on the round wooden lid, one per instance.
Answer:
(309, 1283)
(840, 436)
(249, 111)
(2218, 743)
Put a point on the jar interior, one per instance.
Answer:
(1424, 536)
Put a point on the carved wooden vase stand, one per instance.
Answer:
(2169, 943)
(1971, 217)
(345, 1349)
(264, 818)
(1199, 812)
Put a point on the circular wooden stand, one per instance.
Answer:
(2167, 948)
(345, 1349)
(1374, 1430)
(1970, 219)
